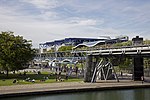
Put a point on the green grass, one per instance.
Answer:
(7, 81)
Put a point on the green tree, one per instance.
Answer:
(128, 43)
(146, 42)
(65, 48)
(125, 63)
(15, 51)
(51, 50)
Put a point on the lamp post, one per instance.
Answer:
(40, 51)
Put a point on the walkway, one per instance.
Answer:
(62, 87)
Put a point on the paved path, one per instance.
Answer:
(61, 86)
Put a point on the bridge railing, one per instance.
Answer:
(121, 47)
(132, 50)
(107, 50)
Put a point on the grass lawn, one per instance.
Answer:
(6, 81)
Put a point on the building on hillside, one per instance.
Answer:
(137, 41)
(65, 42)
(55, 45)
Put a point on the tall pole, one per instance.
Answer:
(55, 51)
(40, 51)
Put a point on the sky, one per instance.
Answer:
(48, 20)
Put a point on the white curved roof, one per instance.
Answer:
(66, 60)
(89, 44)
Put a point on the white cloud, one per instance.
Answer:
(77, 21)
(87, 22)
(43, 4)
(84, 22)
(47, 15)
(88, 6)
(130, 9)
(74, 18)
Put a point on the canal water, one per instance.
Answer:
(133, 94)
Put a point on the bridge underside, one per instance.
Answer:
(138, 67)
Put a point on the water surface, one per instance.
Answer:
(133, 94)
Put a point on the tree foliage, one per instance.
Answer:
(51, 50)
(15, 51)
(125, 63)
(146, 42)
(128, 43)
(65, 48)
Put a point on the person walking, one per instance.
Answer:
(76, 71)
(142, 79)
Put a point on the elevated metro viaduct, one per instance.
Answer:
(137, 53)
(92, 57)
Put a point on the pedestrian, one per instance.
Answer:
(121, 74)
(24, 73)
(33, 80)
(56, 76)
(76, 71)
(142, 79)
(14, 81)
(66, 76)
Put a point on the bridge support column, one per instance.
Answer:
(107, 71)
(90, 66)
(138, 68)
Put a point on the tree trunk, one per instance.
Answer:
(7, 71)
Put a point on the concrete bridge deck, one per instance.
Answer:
(68, 87)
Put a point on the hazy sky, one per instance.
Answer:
(48, 20)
